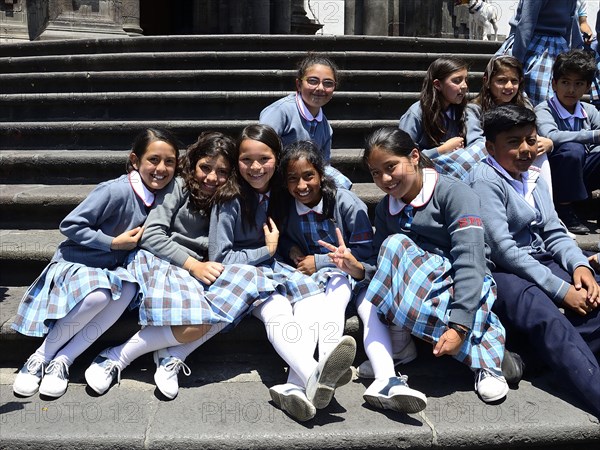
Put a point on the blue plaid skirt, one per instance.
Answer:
(413, 289)
(60, 287)
(171, 296)
(539, 59)
(291, 283)
(459, 162)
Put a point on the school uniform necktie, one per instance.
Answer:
(406, 217)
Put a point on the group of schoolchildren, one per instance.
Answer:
(264, 226)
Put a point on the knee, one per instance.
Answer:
(189, 333)
(570, 150)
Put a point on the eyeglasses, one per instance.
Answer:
(314, 82)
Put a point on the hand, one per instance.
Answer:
(343, 258)
(271, 236)
(544, 145)
(449, 343)
(206, 272)
(127, 240)
(576, 299)
(307, 265)
(584, 278)
(595, 262)
(451, 144)
(296, 255)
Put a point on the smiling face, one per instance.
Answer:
(157, 165)
(569, 89)
(504, 85)
(212, 172)
(304, 182)
(256, 162)
(515, 149)
(315, 97)
(398, 176)
(453, 88)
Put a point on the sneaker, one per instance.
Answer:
(321, 385)
(570, 220)
(404, 349)
(56, 379)
(345, 378)
(489, 386)
(512, 367)
(27, 381)
(165, 377)
(395, 394)
(101, 373)
(293, 400)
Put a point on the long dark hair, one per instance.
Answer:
(495, 65)
(249, 199)
(394, 141)
(432, 107)
(309, 151)
(209, 144)
(145, 138)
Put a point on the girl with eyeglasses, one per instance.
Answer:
(503, 84)
(299, 116)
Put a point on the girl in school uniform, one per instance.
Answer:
(245, 230)
(85, 288)
(186, 298)
(431, 273)
(503, 83)
(299, 116)
(437, 121)
(539, 31)
(316, 209)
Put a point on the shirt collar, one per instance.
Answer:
(430, 179)
(140, 189)
(264, 197)
(304, 112)
(566, 115)
(302, 209)
(525, 185)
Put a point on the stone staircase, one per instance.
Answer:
(69, 111)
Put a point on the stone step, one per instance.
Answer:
(114, 135)
(209, 80)
(254, 43)
(94, 166)
(189, 105)
(354, 60)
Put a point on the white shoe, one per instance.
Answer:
(489, 386)
(321, 385)
(395, 394)
(101, 373)
(293, 400)
(27, 381)
(403, 348)
(56, 379)
(165, 377)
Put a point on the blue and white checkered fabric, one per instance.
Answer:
(60, 287)
(413, 289)
(315, 227)
(170, 295)
(459, 162)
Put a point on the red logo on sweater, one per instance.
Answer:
(469, 221)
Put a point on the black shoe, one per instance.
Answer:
(512, 367)
(570, 219)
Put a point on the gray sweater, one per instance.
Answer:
(515, 231)
(449, 225)
(173, 231)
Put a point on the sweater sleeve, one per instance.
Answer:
(83, 224)
(156, 234)
(547, 127)
(505, 252)
(274, 117)
(221, 237)
(464, 225)
(473, 125)
(411, 122)
(525, 27)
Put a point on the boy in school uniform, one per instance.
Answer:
(574, 128)
(538, 268)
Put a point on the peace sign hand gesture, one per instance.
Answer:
(343, 258)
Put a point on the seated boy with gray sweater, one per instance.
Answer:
(538, 268)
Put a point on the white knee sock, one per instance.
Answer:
(64, 329)
(377, 340)
(333, 316)
(285, 335)
(97, 326)
(144, 341)
(184, 350)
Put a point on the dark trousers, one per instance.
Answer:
(566, 343)
(575, 172)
